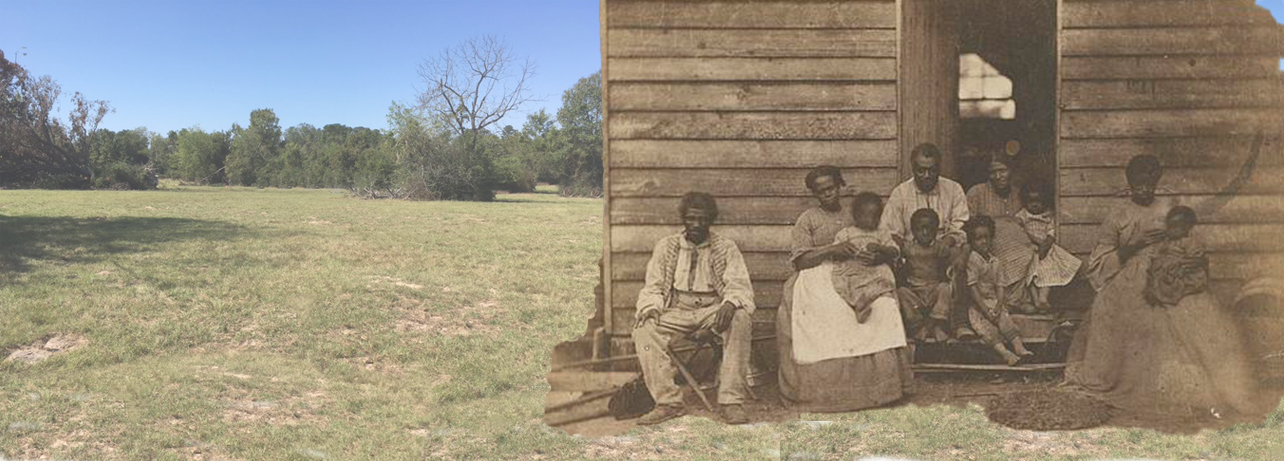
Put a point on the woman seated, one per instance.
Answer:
(1148, 356)
(829, 360)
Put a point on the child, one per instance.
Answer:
(856, 282)
(1053, 266)
(987, 313)
(927, 296)
(1179, 267)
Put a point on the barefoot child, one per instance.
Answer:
(1179, 267)
(858, 283)
(987, 313)
(927, 296)
(1053, 266)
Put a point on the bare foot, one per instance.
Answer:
(1043, 306)
(940, 334)
(1011, 358)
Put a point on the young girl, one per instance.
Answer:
(1053, 266)
(987, 314)
(858, 283)
(1179, 267)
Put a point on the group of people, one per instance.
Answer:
(936, 264)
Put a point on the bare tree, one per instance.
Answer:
(475, 84)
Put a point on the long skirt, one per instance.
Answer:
(1182, 360)
(841, 384)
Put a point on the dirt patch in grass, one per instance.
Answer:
(467, 320)
(45, 348)
(1048, 409)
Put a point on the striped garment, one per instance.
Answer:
(713, 266)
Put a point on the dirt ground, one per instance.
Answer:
(952, 389)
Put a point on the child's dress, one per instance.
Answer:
(857, 283)
(1059, 267)
(988, 318)
(1179, 268)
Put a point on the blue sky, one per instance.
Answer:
(171, 65)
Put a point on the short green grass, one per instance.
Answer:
(238, 323)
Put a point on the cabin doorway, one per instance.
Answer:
(979, 77)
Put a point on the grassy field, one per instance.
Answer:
(270, 324)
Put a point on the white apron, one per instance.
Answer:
(825, 327)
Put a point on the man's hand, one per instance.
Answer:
(722, 320)
(951, 240)
(653, 315)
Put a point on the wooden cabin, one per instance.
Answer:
(741, 98)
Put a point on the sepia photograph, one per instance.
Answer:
(1052, 212)
(856, 230)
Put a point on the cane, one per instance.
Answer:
(686, 374)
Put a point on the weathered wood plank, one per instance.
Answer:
(764, 317)
(1167, 67)
(775, 267)
(765, 266)
(751, 69)
(1159, 94)
(1230, 151)
(1244, 209)
(1080, 238)
(844, 96)
(753, 125)
(586, 381)
(731, 210)
(1196, 181)
(738, 182)
(1160, 123)
(781, 43)
(1245, 266)
(641, 239)
(1237, 40)
(766, 294)
(752, 15)
(1163, 13)
(762, 154)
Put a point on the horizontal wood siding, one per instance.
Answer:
(1191, 82)
(739, 99)
(1163, 13)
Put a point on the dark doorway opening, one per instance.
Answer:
(1007, 87)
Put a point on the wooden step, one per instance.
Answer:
(588, 381)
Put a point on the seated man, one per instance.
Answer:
(695, 280)
(928, 189)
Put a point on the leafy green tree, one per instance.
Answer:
(545, 140)
(119, 160)
(254, 148)
(161, 151)
(581, 119)
(200, 157)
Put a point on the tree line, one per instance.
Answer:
(436, 150)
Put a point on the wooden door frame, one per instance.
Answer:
(903, 161)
